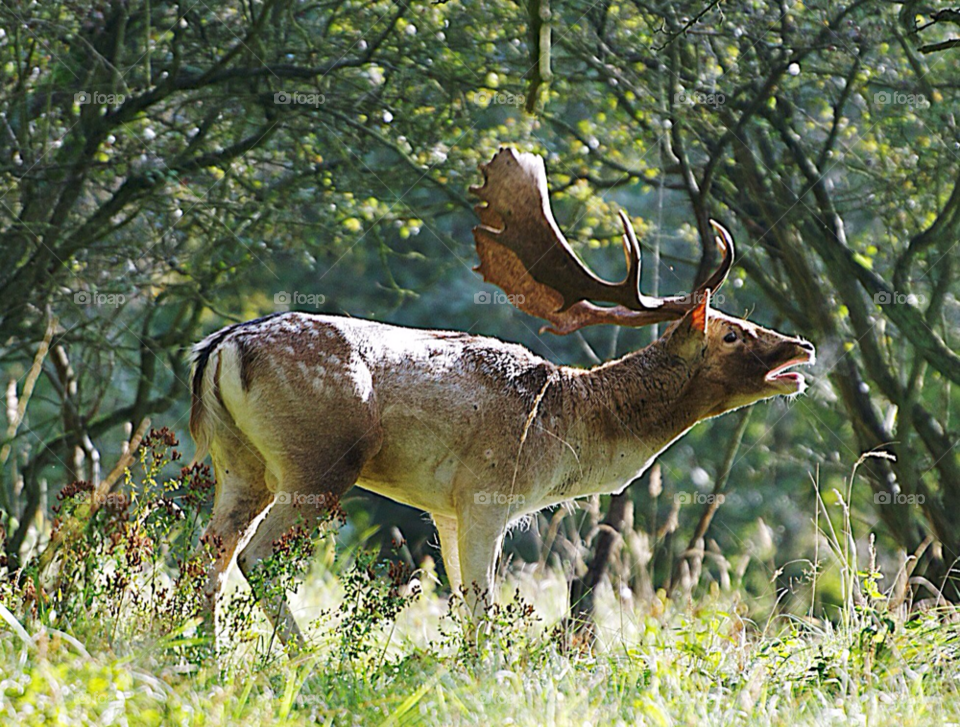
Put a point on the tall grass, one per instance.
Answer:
(104, 631)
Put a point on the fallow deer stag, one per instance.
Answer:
(296, 408)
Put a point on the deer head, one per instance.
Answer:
(728, 362)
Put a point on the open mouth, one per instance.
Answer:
(792, 379)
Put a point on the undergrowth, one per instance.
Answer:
(101, 626)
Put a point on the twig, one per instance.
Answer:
(28, 386)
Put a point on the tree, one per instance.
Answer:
(830, 141)
(166, 168)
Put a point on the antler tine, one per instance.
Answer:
(631, 250)
(523, 251)
(724, 241)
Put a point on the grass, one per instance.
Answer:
(103, 634)
(698, 665)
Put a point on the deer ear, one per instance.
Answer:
(689, 337)
(698, 316)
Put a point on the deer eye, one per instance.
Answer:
(730, 337)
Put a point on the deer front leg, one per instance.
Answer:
(480, 531)
(449, 550)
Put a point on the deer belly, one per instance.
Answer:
(432, 499)
(419, 477)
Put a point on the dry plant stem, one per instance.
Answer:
(79, 521)
(582, 589)
(126, 459)
(846, 553)
(28, 386)
(695, 546)
(816, 551)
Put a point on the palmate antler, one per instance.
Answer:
(523, 252)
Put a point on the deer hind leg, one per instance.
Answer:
(308, 487)
(241, 495)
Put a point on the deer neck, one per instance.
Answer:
(621, 414)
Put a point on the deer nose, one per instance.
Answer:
(805, 345)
